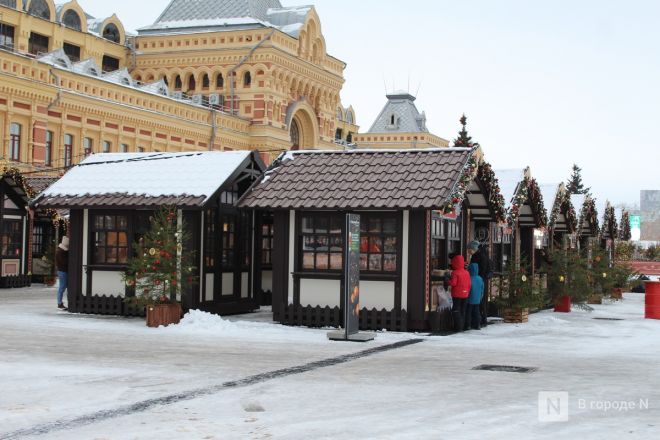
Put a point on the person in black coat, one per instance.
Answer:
(479, 255)
(62, 264)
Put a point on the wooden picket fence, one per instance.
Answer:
(318, 316)
(15, 281)
(103, 305)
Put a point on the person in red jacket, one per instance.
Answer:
(460, 284)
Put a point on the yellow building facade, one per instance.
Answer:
(250, 75)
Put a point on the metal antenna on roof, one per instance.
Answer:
(385, 83)
(408, 89)
(419, 87)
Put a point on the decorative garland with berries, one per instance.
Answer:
(568, 210)
(590, 215)
(494, 195)
(528, 192)
(458, 192)
(15, 174)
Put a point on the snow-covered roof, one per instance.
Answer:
(400, 109)
(56, 58)
(87, 67)
(509, 180)
(549, 193)
(196, 175)
(159, 87)
(577, 200)
(218, 14)
(120, 76)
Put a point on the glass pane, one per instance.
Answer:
(336, 261)
(389, 226)
(364, 244)
(375, 244)
(322, 261)
(374, 225)
(364, 259)
(390, 244)
(99, 255)
(122, 222)
(98, 221)
(321, 225)
(308, 260)
(336, 243)
(309, 243)
(111, 255)
(335, 225)
(307, 225)
(322, 242)
(100, 238)
(109, 222)
(389, 264)
(265, 243)
(123, 239)
(123, 255)
(111, 239)
(363, 225)
(376, 262)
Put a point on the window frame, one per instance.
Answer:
(88, 145)
(68, 149)
(35, 43)
(15, 139)
(15, 240)
(365, 219)
(7, 35)
(94, 239)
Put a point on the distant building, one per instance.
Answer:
(400, 125)
(650, 213)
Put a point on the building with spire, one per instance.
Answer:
(400, 125)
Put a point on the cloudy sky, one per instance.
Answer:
(543, 84)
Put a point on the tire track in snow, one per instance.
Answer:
(99, 416)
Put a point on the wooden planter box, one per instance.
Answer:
(595, 299)
(163, 314)
(617, 293)
(516, 315)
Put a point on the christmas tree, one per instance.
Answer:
(160, 269)
(574, 184)
(610, 226)
(464, 140)
(625, 233)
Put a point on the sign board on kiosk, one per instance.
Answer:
(351, 285)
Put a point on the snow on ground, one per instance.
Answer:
(56, 365)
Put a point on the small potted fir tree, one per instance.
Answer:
(516, 294)
(622, 278)
(568, 279)
(160, 270)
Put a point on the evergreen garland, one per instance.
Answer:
(528, 192)
(570, 215)
(491, 184)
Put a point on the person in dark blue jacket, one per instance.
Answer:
(474, 300)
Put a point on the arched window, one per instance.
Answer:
(167, 83)
(111, 33)
(71, 19)
(206, 83)
(39, 8)
(15, 141)
(349, 117)
(349, 138)
(8, 3)
(247, 79)
(177, 83)
(340, 114)
(192, 85)
(295, 135)
(219, 81)
(392, 119)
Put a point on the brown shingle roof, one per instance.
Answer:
(360, 179)
(39, 184)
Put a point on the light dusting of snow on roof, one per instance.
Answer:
(149, 174)
(549, 193)
(509, 180)
(216, 14)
